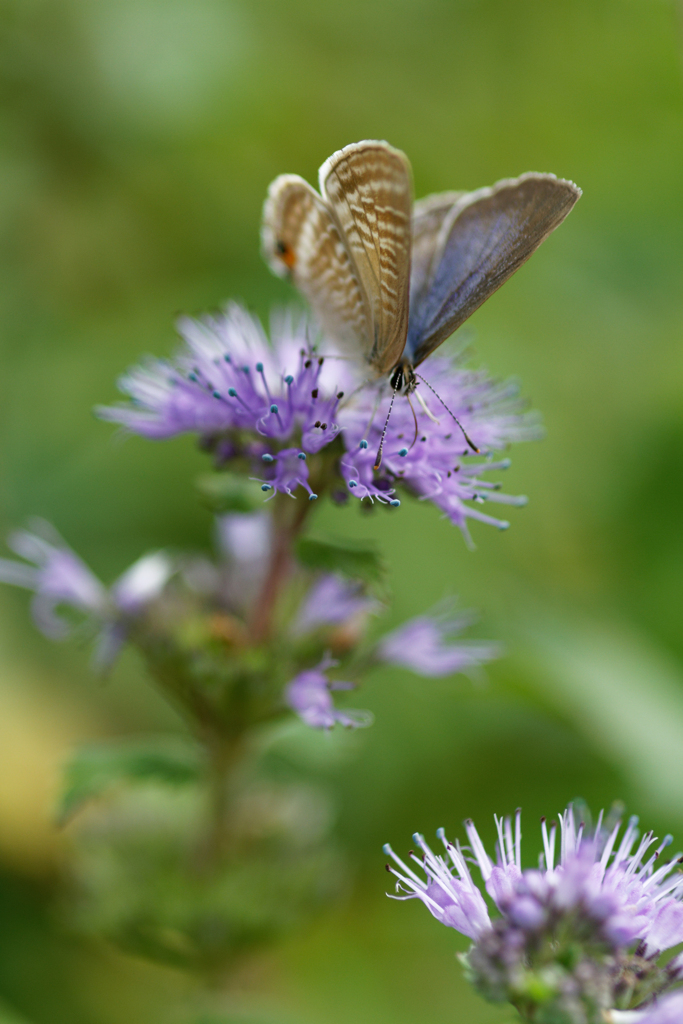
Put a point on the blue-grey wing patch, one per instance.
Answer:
(484, 239)
(429, 215)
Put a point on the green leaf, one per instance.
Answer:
(228, 492)
(93, 770)
(358, 559)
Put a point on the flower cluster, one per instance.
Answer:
(577, 937)
(275, 407)
(424, 644)
(332, 616)
(59, 578)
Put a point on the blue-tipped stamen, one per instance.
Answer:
(395, 503)
(268, 458)
(217, 394)
(302, 456)
(289, 379)
(363, 444)
(259, 369)
(353, 483)
(232, 392)
(403, 452)
(312, 497)
(266, 487)
(276, 412)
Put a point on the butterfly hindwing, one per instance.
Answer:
(485, 238)
(368, 189)
(429, 215)
(300, 240)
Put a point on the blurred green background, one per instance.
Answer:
(137, 141)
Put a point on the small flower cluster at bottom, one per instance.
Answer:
(577, 941)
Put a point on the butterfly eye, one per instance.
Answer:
(286, 253)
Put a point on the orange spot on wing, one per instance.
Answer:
(286, 254)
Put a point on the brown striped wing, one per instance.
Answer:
(300, 240)
(368, 189)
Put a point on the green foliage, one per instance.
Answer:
(95, 769)
(228, 492)
(357, 559)
(147, 873)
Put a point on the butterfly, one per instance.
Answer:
(392, 279)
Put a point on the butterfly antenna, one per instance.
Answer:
(415, 419)
(378, 460)
(452, 415)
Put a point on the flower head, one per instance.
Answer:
(425, 450)
(583, 931)
(60, 579)
(276, 406)
(229, 379)
(309, 694)
(424, 644)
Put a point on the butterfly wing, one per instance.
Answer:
(485, 238)
(429, 215)
(300, 240)
(368, 189)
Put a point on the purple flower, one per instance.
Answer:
(332, 601)
(422, 644)
(60, 579)
(626, 895)
(229, 378)
(607, 905)
(425, 450)
(274, 406)
(309, 694)
(289, 470)
(668, 1010)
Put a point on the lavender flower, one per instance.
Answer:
(425, 450)
(59, 578)
(275, 406)
(230, 379)
(333, 601)
(578, 936)
(669, 1010)
(422, 644)
(309, 695)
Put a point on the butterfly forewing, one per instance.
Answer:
(368, 189)
(485, 238)
(301, 240)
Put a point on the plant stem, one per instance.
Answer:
(287, 524)
(224, 755)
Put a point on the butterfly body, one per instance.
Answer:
(391, 280)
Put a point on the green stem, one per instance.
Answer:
(225, 754)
